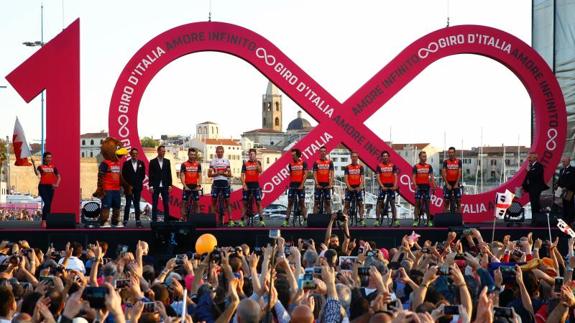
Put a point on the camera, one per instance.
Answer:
(558, 284)
(508, 274)
(180, 259)
(121, 283)
(14, 260)
(274, 233)
(444, 271)
(363, 273)
(47, 280)
(149, 307)
(96, 296)
(503, 312)
(451, 310)
(308, 282)
(424, 250)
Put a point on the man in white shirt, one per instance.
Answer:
(220, 171)
(73, 253)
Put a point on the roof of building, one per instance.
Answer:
(272, 89)
(207, 122)
(94, 135)
(403, 146)
(264, 130)
(299, 123)
(223, 142)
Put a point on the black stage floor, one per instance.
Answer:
(167, 239)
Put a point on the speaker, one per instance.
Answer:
(61, 221)
(317, 220)
(447, 220)
(204, 220)
(539, 219)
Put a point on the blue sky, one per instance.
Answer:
(339, 43)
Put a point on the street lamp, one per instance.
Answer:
(34, 44)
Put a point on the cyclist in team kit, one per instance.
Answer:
(251, 170)
(451, 173)
(191, 177)
(323, 172)
(221, 172)
(423, 180)
(298, 173)
(387, 180)
(353, 178)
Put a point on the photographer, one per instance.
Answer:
(331, 241)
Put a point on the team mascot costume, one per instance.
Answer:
(110, 181)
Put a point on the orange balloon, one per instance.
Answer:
(206, 243)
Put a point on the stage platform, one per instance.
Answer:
(167, 239)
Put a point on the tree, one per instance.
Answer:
(149, 142)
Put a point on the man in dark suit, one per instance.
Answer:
(566, 182)
(160, 176)
(534, 183)
(134, 172)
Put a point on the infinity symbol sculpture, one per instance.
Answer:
(343, 123)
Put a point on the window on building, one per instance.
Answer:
(277, 121)
(267, 160)
(92, 142)
(91, 154)
(101, 141)
(467, 171)
(82, 154)
(493, 174)
(83, 142)
(493, 162)
(277, 106)
(507, 162)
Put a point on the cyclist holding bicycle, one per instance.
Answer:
(191, 177)
(298, 173)
(220, 171)
(387, 179)
(251, 170)
(451, 173)
(423, 180)
(353, 178)
(323, 171)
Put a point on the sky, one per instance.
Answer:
(341, 44)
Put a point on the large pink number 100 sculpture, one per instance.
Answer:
(56, 69)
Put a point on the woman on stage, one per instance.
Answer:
(49, 180)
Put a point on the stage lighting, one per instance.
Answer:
(91, 214)
(514, 214)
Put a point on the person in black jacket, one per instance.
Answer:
(566, 182)
(160, 176)
(134, 172)
(534, 183)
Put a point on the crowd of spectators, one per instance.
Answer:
(463, 278)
